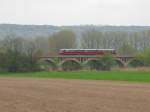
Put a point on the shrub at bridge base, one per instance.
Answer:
(104, 63)
(136, 63)
(107, 62)
(94, 65)
(71, 65)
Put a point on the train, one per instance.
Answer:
(87, 51)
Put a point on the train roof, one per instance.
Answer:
(88, 49)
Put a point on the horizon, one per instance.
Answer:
(98, 25)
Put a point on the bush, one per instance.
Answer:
(107, 62)
(137, 63)
(71, 65)
(94, 64)
(104, 63)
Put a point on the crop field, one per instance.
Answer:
(135, 76)
(78, 91)
(24, 94)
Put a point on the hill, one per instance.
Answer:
(46, 30)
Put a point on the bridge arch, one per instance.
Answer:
(70, 64)
(69, 59)
(119, 62)
(90, 59)
(48, 64)
(135, 63)
(93, 64)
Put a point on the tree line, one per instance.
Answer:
(126, 43)
(18, 54)
(21, 54)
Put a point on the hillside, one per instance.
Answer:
(46, 30)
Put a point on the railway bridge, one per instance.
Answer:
(122, 61)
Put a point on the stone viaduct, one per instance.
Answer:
(122, 61)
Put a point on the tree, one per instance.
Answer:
(31, 53)
(11, 54)
(42, 44)
(126, 49)
(144, 56)
(17, 55)
(62, 40)
(91, 39)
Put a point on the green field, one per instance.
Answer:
(87, 75)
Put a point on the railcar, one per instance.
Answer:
(87, 51)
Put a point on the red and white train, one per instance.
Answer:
(87, 51)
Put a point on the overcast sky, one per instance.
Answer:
(75, 12)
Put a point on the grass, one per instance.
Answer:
(137, 76)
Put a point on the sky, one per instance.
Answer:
(75, 12)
